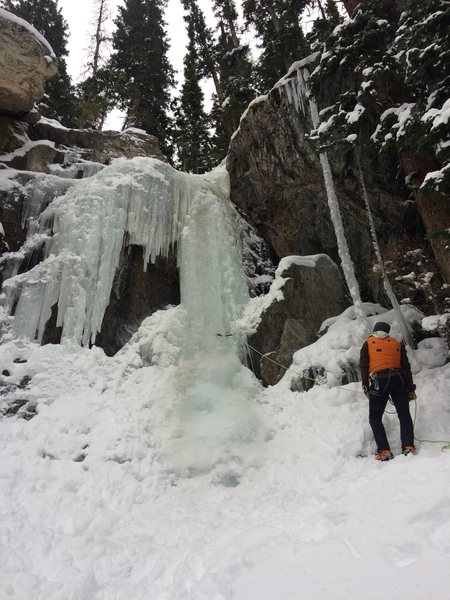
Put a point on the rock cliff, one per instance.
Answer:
(277, 181)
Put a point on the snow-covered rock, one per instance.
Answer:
(26, 62)
(306, 291)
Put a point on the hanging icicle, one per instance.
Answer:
(404, 327)
(144, 202)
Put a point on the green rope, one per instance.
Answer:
(302, 376)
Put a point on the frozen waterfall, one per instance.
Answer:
(182, 369)
(144, 202)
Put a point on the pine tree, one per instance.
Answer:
(277, 23)
(236, 73)
(324, 25)
(45, 15)
(193, 139)
(205, 46)
(422, 50)
(142, 70)
(96, 97)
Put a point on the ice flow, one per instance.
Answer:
(145, 202)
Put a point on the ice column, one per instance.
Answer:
(299, 95)
(404, 327)
(214, 289)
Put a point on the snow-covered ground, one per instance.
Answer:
(167, 472)
(127, 484)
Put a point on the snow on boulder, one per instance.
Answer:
(26, 62)
(306, 291)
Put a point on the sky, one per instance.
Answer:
(79, 16)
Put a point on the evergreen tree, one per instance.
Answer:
(207, 56)
(324, 25)
(277, 23)
(142, 70)
(193, 139)
(395, 60)
(236, 74)
(45, 15)
(422, 50)
(96, 96)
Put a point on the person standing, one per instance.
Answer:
(386, 373)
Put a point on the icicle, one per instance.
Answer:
(404, 326)
(295, 90)
(39, 193)
(336, 218)
(149, 201)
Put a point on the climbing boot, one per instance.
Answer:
(384, 455)
(409, 450)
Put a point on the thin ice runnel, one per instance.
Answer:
(403, 324)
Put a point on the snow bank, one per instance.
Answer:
(337, 350)
(94, 504)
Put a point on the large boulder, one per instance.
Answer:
(26, 62)
(312, 291)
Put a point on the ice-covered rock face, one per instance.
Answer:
(142, 202)
(26, 62)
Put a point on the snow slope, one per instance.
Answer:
(120, 488)
(167, 472)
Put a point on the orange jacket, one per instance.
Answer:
(384, 353)
(381, 359)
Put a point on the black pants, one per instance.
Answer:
(392, 386)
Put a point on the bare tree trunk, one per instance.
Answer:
(275, 18)
(99, 37)
(321, 9)
(350, 6)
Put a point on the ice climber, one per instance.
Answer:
(386, 373)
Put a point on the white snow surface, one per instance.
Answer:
(23, 150)
(4, 14)
(140, 478)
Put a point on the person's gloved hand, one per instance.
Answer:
(412, 396)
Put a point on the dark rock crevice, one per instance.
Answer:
(136, 294)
